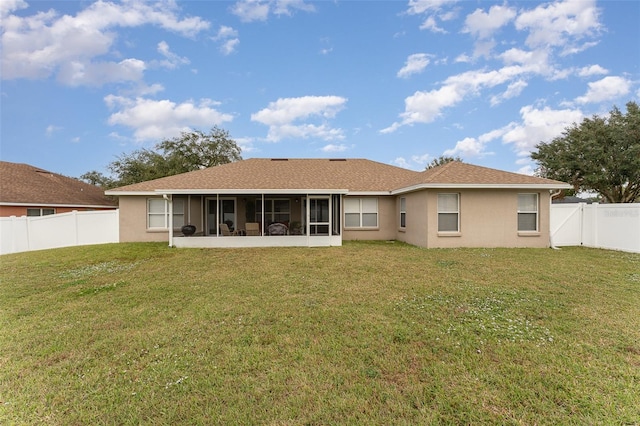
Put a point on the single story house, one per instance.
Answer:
(30, 191)
(322, 202)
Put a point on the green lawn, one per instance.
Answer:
(368, 333)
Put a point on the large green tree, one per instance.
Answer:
(601, 154)
(188, 152)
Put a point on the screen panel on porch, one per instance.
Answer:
(319, 216)
(275, 210)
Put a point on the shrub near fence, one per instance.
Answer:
(18, 234)
(608, 226)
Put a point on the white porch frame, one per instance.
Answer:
(218, 241)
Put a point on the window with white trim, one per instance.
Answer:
(448, 212)
(40, 212)
(275, 210)
(528, 212)
(403, 212)
(158, 213)
(360, 212)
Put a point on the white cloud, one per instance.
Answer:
(483, 48)
(475, 147)
(431, 25)
(246, 144)
(159, 119)
(527, 166)
(259, 10)
(606, 89)
(592, 70)
(144, 90)
(285, 7)
(228, 38)
(229, 46)
(281, 115)
(482, 25)
(577, 48)
(431, 8)
(225, 32)
(8, 6)
(251, 10)
(40, 45)
(334, 148)
(539, 125)
(559, 23)
(51, 129)
(416, 7)
(526, 170)
(536, 125)
(401, 162)
(463, 58)
(468, 147)
(415, 64)
(79, 73)
(421, 159)
(172, 60)
(416, 162)
(534, 61)
(425, 107)
(514, 89)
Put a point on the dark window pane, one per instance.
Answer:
(527, 222)
(448, 222)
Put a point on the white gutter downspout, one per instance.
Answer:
(552, 194)
(170, 201)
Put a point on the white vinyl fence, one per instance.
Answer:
(608, 226)
(19, 234)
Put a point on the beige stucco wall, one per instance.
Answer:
(488, 218)
(387, 223)
(417, 224)
(133, 221)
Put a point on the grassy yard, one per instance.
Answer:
(367, 333)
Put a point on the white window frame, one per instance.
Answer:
(269, 210)
(443, 210)
(178, 213)
(41, 211)
(528, 212)
(360, 207)
(403, 212)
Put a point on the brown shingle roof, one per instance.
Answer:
(458, 173)
(354, 175)
(285, 174)
(25, 184)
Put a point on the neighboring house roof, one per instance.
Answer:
(570, 199)
(22, 184)
(344, 175)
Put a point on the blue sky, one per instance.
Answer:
(399, 82)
